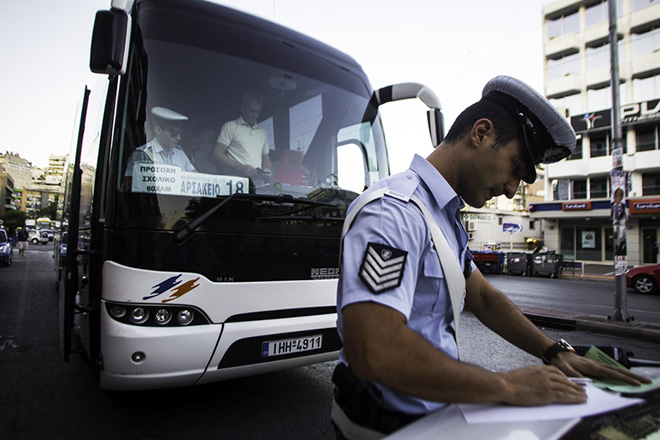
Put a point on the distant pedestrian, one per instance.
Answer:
(22, 237)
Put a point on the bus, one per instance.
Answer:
(186, 276)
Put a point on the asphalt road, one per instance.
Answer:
(43, 397)
(577, 296)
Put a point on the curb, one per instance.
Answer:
(641, 331)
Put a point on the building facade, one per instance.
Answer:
(576, 214)
(28, 188)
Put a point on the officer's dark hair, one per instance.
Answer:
(506, 126)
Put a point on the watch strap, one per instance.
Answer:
(555, 349)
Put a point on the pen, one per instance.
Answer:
(580, 380)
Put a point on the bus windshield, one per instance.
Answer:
(202, 122)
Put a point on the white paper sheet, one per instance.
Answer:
(599, 401)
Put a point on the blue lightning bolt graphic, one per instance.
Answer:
(163, 287)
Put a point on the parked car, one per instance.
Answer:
(644, 279)
(38, 236)
(6, 249)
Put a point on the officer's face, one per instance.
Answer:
(497, 171)
(167, 137)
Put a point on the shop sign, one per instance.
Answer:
(575, 206)
(630, 114)
(512, 227)
(645, 206)
(484, 218)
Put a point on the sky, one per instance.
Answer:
(453, 47)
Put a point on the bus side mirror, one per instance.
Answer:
(436, 126)
(398, 92)
(109, 51)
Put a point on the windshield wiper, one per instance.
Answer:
(191, 226)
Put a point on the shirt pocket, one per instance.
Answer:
(430, 284)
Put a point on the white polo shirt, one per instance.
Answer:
(247, 144)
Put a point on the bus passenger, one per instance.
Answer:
(395, 306)
(242, 146)
(164, 147)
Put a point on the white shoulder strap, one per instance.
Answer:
(450, 265)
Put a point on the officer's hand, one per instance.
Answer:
(539, 385)
(574, 365)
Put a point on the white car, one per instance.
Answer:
(40, 236)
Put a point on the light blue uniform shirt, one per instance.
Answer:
(422, 297)
(153, 152)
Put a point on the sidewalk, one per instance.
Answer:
(592, 271)
(641, 331)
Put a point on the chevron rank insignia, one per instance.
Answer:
(382, 267)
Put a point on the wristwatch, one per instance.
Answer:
(557, 347)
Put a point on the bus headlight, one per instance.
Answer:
(139, 315)
(117, 311)
(185, 316)
(156, 315)
(162, 316)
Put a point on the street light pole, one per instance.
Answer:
(618, 180)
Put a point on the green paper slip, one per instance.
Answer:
(595, 354)
(624, 388)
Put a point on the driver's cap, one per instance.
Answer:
(548, 135)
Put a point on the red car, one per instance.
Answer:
(644, 279)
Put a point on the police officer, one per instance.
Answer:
(164, 147)
(400, 360)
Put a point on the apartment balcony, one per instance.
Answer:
(597, 34)
(646, 65)
(598, 77)
(563, 45)
(645, 18)
(558, 6)
(567, 85)
(642, 161)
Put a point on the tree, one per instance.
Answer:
(13, 219)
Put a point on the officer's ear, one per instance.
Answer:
(482, 132)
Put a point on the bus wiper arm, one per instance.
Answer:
(190, 227)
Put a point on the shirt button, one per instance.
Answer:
(409, 176)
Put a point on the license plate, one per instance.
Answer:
(293, 345)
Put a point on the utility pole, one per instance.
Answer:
(618, 180)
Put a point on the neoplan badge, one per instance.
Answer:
(382, 267)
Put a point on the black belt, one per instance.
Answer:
(362, 402)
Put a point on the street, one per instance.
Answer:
(43, 397)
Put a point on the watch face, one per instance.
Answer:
(565, 345)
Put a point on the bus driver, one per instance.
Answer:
(242, 147)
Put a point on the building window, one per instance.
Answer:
(647, 138)
(651, 184)
(598, 56)
(580, 189)
(645, 43)
(636, 5)
(577, 153)
(597, 14)
(598, 187)
(563, 25)
(559, 68)
(572, 104)
(598, 145)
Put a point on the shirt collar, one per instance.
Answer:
(241, 121)
(158, 148)
(442, 192)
